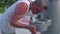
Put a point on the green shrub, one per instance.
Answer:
(4, 4)
(2, 10)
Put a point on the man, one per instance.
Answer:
(11, 16)
(39, 6)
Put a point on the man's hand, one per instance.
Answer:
(33, 29)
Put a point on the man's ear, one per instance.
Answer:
(45, 8)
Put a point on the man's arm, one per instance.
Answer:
(20, 10)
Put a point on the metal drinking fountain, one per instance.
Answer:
(42, 25)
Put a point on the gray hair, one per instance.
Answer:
(38, 2)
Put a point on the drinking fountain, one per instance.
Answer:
(42, 25)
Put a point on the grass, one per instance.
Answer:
(2, 10)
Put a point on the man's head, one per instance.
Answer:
(30, 1)
(38, 2)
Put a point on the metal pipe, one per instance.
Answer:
(54, 13)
